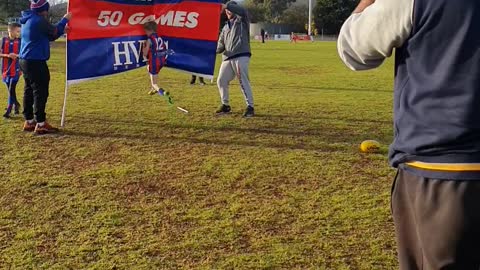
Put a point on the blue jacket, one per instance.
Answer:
(37, 33)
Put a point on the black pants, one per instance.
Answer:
(437, 223)
(194, 79)
(37, 80)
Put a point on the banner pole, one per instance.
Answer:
(64, 109)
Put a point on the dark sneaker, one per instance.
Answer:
(202, 82)
(45, 129)
(192, 82)
(166, 95)
(224, 109)
(7, 112)
(29, 127)
(249, 112)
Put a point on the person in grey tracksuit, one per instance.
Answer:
(234, 43)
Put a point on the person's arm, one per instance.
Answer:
(221, 43)
(236, 9)
(9, 55)
(2, 55)
(55, 31)
(372, 32)
(146, 48)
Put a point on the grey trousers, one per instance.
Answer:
(437, 223)
(230, 69)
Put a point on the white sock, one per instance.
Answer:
(30, 121)
(41, 124)
(156, 87)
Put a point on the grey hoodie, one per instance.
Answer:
(234, 39)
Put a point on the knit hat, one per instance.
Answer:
(39, 5)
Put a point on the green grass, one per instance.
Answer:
(133, 184)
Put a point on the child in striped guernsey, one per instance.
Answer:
(154, 50)
(9, 50)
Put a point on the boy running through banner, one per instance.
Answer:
(155, 52)
(9, 50)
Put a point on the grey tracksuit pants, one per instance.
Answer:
(437, 222)
(237, 67)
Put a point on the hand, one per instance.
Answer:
(67, 28)
(363, 5)
(68, 16)
(12, 56)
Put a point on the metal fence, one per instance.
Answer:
(325, 38)
(287, 38)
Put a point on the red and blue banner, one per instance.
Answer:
(106, 36)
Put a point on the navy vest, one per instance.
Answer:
(437, 85)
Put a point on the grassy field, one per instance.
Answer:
(131, 183)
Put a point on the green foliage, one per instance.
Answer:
(269, 10)
(134, 184)
(12, 9)
(256, 11)
(58, 11)
(296, 15)
(329, 15)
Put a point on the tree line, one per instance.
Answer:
(328, 15)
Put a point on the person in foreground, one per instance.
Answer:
(234, 43)
(36, 35)
(436, 146)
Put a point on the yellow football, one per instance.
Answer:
(370, 146)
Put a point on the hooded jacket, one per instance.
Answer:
(234, 39)
(37, 33)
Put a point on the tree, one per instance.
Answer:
(329, 15)
(58, 11)
(273, 9)
(12, 9)
(256, 11)
(296, 16)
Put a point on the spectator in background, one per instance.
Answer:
(262, 33)
(293, 38)
(194, 79)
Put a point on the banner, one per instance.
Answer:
(106, 36)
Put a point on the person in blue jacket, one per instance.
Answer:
(37, 33)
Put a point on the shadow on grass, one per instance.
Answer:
(161, 139)
(331, 89)
(323, 139)
(351, 121)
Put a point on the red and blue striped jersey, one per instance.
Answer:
(10, 67)
(156, 56)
